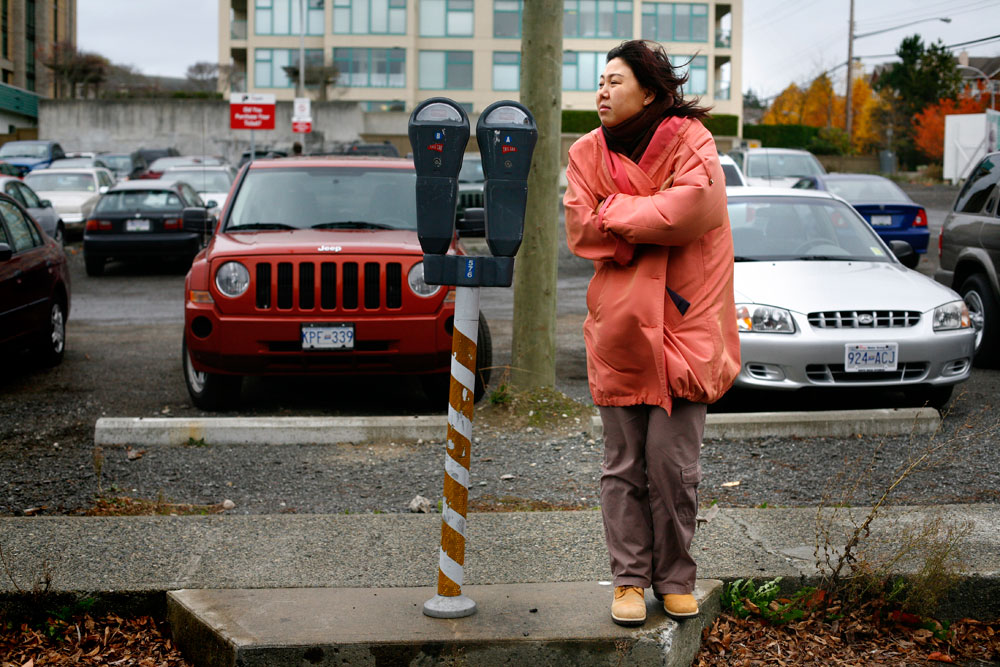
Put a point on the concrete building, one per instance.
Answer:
(29, 28)
(391, 54)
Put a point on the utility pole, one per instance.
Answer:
(850, 74)
(533, 351)
(302, 48)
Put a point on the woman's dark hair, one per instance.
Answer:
(652, 69)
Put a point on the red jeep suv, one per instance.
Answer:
(316, 268)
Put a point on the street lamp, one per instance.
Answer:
(989, 82)
(850, 56)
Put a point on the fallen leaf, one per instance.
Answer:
(938, 656)
(133, 454)
(730, 484)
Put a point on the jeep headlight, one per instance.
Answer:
(754, 318)
(950, 316)
(416, 280)
(232, 279)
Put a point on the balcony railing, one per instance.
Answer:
(723, 38)
(722, 93)
(238, 29)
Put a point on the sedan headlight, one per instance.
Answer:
(950, 316)
(754, 318)
(416, 280)
(232, 279)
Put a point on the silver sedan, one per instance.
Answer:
(822, 301)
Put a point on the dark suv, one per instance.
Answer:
(969, 248)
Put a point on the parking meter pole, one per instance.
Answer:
(449, 601)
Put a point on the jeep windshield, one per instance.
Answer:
(334, 198)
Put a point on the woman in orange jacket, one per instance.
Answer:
(646, 201)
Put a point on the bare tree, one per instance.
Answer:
(74, 71)
(322, 76)
(204, 76)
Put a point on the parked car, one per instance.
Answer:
(80, 162)
(8, 169)
(143, 219)
(776, 167)
(34, 286)
(969, 249)
(384, 149)
(889, 210)
(261, 153)
(31, 154)
(823, 302)
(316, 269)
(732, 171)
(212, 183)
(126, 165)
(151, 154)
(158, 166)
(73, 192)
(471, 181)
(40, 209)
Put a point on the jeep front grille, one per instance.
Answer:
(335, 285)
(864, 319)
(470, 200)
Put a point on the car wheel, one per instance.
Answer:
(210, 391)
(60, 236)
(51, 345)
(934, 396)
(985, 314)
(438, 385)
(94, 265)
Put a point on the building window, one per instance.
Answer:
(582, 69)
(383, 105)
(446, 18)
(29, 44)
(506, 70)
(668, 22)
(369, 17)
(269, 66)
(282, 17)
(446, 70)
(6, 30)
(697, 69)
(507, 18)
(597, 18)
(371, 68)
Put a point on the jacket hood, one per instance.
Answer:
(812, 286)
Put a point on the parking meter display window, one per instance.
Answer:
(439, 132)
(507, 134)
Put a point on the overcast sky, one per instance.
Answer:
(784, 40)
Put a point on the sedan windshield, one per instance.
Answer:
(874, 190)
(782, 165)
(23, 149)
(48, 182)
(326, 198)
(202, 180)
(129, 201)
(801, 228)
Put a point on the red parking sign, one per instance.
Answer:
(251, 111)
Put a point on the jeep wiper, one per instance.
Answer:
(352, 224)
(743, 258)
(259, 225)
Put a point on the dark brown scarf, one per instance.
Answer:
(632, 136)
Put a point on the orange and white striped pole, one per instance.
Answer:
(449, 601)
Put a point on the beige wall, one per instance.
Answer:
(50, 25)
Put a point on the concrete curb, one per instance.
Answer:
(332, 430)
(521, 624)
(830, 424)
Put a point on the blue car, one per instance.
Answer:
(890, 212)
(28, 155)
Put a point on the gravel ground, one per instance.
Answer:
(120, 367)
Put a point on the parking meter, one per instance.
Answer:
(506, 133)
(439, 132)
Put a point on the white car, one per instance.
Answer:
(73, 192)
(212, 183)
(732, 171)
(823, 302)
(776, 167)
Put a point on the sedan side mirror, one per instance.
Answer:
(901, 249)
(472, 223)
(5, 252)
(196, 219)
(45, 203)
(211, 203)
(102, 189)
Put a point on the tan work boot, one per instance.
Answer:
(680, 606)
(629, 606)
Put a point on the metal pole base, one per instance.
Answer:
(457, 606)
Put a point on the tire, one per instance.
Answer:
(51, 345)
(210, 391)
(437, 386)
(985, 313)
(934, 396)
(60, 236)
(94, 265)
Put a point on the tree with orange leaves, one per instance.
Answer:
(820, 103)
(928, 125)
(786, 109)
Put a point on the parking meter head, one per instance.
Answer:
(439, 132)
(506, 133)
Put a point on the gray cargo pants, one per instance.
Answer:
(649, 493)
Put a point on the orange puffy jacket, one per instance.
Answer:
(662, 223)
